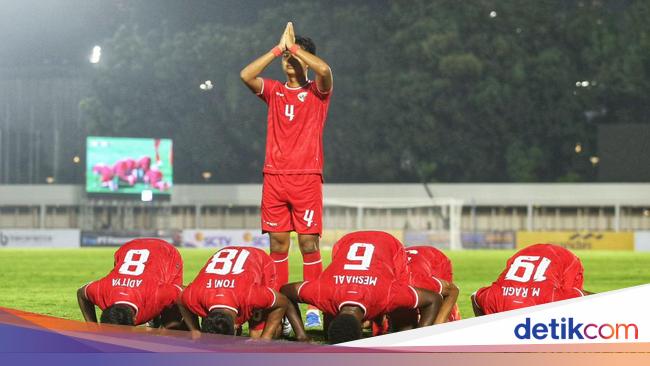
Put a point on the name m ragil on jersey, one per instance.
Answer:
(520, 291)
(125, 282)
(355, 280)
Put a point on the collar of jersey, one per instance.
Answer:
(298, 87)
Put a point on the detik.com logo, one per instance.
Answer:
(568, 328)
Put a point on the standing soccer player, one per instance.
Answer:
(144, 283)
(292, 197)
(535, 275)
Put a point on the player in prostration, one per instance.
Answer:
(146, 280)
(430, 269)
(367, 278)
(429, 265)
(535, 275)
(292, 197)
(235, 283)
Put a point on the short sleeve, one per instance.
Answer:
(400, 263)
(268, 87)
(308, 292)
(402, 296)
(574, 273)
(91, 291)
(320, 94)
(190, 301)
(261, 297)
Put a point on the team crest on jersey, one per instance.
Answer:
(302, 96)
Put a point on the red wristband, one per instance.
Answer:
(277, 52)
(294, 48)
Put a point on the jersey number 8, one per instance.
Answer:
(129, 262)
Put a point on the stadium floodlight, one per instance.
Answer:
(578, 148)
(76, 159)
(493, 14)
(49, 180)
(584, 84)
(96, 55)
(594, 160)
(146, 195)
(206, 175)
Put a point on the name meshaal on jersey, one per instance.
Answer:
(355, 280)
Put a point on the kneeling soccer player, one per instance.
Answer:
(368, 277)
(234, 283)
(430, 269)
(144, 283)
(535, 275)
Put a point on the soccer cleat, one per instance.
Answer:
(312, 319)
(286, 327)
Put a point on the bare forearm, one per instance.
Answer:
(293, 314)
(249, 75)
(450, 297)
(87, 308)
(320, 67)
(189, 318)
(273, 321)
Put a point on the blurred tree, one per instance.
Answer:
(424, 90)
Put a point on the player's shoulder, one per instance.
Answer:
(148, 243)
(548, 250)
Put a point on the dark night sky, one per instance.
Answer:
(64, 31)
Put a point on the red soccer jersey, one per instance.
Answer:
(241, 279)
(368, 269)
(148, 275)
(294, 136)
(428, 264)
(538, 274)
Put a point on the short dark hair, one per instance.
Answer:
(218, 322)
(344, 328)
(307, 44)
(119, 314)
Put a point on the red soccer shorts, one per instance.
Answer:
(292, 202)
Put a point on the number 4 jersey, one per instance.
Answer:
(241, 279)
(369, 270)
(538, 274)
(295, 122)
(148, 276)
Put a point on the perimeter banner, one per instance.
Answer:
(198, 238)
(38, 238)
(580, 240)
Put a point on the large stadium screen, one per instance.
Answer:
(122, 165)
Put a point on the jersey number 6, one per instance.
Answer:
(365, 258)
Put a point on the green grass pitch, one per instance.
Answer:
(45, 281)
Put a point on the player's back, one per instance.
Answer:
(546, 264)
(237, 278)
(369, 253)
(537, 274)
(368, 269)
(243, 266)
(148, 275)
(429, 260)
(152, 259)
